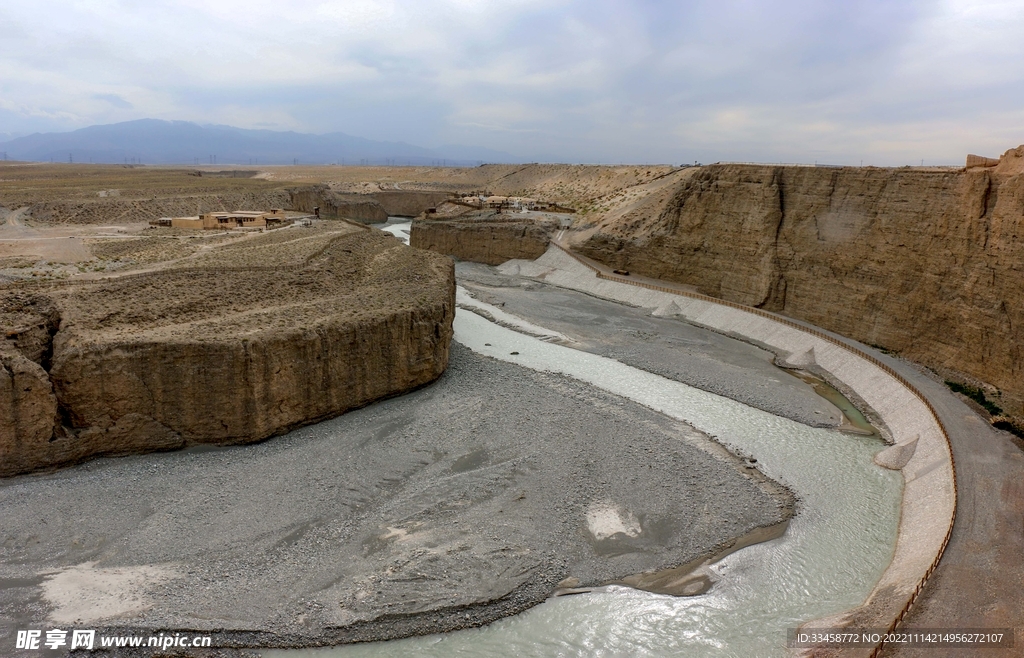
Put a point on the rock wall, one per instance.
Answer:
(334, 205)
(490, 242)
(925, 263)
(180, 357)
(401, 203)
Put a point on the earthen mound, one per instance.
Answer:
(251, 340)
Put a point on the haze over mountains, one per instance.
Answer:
(153, 141)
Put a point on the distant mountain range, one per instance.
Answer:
(152, 141)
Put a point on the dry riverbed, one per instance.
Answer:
(458, 504)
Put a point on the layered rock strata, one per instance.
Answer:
(334, 205)
(403, 203)
(368, 208)
(492, 240)
(232, 350)
(926, 263)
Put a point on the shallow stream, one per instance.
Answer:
(830, 557)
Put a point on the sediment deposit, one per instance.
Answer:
(926, 263)
(450, 507)
(250, 339)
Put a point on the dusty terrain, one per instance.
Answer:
(236, 342)
(922, 262)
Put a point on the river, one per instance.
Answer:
(833, 552)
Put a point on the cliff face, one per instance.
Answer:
(490, 242)
(925, 263)
(402, 203)
(229, 353)
(369, 208)
(334, 205)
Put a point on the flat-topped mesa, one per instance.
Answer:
(488, 230)
(252, 340)
(922, 262)
(980, 161)
(365, 207)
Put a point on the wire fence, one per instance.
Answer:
(912, 599)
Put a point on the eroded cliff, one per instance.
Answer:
(492, 240)
(926, 263)
(356, 207)
(247, 341)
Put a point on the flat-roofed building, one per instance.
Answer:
(230, 220)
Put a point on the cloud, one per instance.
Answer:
(597, 80)
(114, 100)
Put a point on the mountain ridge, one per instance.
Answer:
(156, 141)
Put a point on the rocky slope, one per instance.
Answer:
(927, 263)
(250, 340)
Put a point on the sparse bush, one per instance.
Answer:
(1011, 426)
(975, 394)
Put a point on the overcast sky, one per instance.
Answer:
(888, 82)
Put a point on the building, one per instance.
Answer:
(230, 220)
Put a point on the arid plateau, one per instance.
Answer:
(570, 386)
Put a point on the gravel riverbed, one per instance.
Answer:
(457, 504)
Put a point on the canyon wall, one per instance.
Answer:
(402, 203)
(490, 242)
(926, 263)
(233, 352)
(336, 205)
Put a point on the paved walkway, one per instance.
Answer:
(980, 580)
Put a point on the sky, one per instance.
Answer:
(882, 82)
